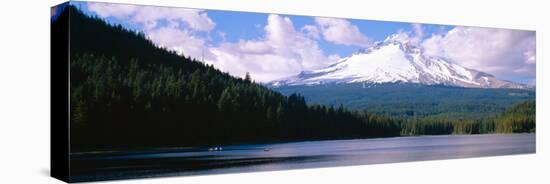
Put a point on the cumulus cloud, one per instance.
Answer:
(192, 18)
(172, 28)
(418, 33)
(311, 31)
(180, 40)
(508, 54)
(340, 31)
(112, 9)
(150, 16)
(281, 52)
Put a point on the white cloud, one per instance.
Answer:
(193, 18)
(530, 56)
(282, 52)
(341, 32)
(418, 33)
(508, 54)
(172, 28)
(311, 31)
(179, 40)
(112, 9)
(151, 16)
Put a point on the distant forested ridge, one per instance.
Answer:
(405, 100)
(127, 93)
(518, 118)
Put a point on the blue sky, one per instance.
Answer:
(247, 25)
(275, 46)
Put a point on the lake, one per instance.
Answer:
(294, 155)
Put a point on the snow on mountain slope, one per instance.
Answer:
(396, 60)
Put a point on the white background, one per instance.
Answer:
(25, 90)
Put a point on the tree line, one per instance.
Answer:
(126, 93)
(518, 118)
(404, 100)
(149, 105)
(116, 107)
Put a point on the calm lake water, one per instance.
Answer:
(294, 155)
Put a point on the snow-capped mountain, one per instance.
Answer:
(396, 60)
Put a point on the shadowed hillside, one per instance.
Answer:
(126, 93)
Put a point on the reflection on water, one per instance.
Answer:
(295, 155)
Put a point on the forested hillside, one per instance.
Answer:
(126, 93)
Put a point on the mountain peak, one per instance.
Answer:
(403, 40)
(397, 59)
(400, 37)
